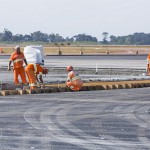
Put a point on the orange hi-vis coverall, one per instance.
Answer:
(74, 82)
(18, 60)
(32, 70)
(148, 64)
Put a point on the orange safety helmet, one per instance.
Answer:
(45, 71)
(69, 68)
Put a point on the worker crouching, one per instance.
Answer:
(73, 82)
(34, 73)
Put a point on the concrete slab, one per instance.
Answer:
(87, 120)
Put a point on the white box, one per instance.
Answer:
(34, 54)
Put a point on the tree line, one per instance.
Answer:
(38, 36)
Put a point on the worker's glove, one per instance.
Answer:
(42, 86)
(9, 68)
(38, 84)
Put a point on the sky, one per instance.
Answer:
(73, 17)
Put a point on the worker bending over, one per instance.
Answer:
(73, 82)
(34, 73)
(18, 59)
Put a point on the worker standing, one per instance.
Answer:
(34, 73)
(148, 64)
(18, 60)
(74, 82)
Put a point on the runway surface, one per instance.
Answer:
(93, 120)
(104, 61)
(126, 63)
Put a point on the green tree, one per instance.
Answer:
(27, 38)
(84, 37)
(39, 36)
(6, 36)
(105, 38)
(56, 38)
(17, 38)
(113, 39)
(127, 40)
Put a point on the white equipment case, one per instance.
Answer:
(34, 54)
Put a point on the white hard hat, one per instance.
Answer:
(17, 46)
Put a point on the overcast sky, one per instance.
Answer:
(72, 17)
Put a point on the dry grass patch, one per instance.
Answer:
(54, 50)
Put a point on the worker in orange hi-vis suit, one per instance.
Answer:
(148, 64)
(33, 71)
(73, 82)
(18, 60)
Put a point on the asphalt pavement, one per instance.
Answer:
(89, 120)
